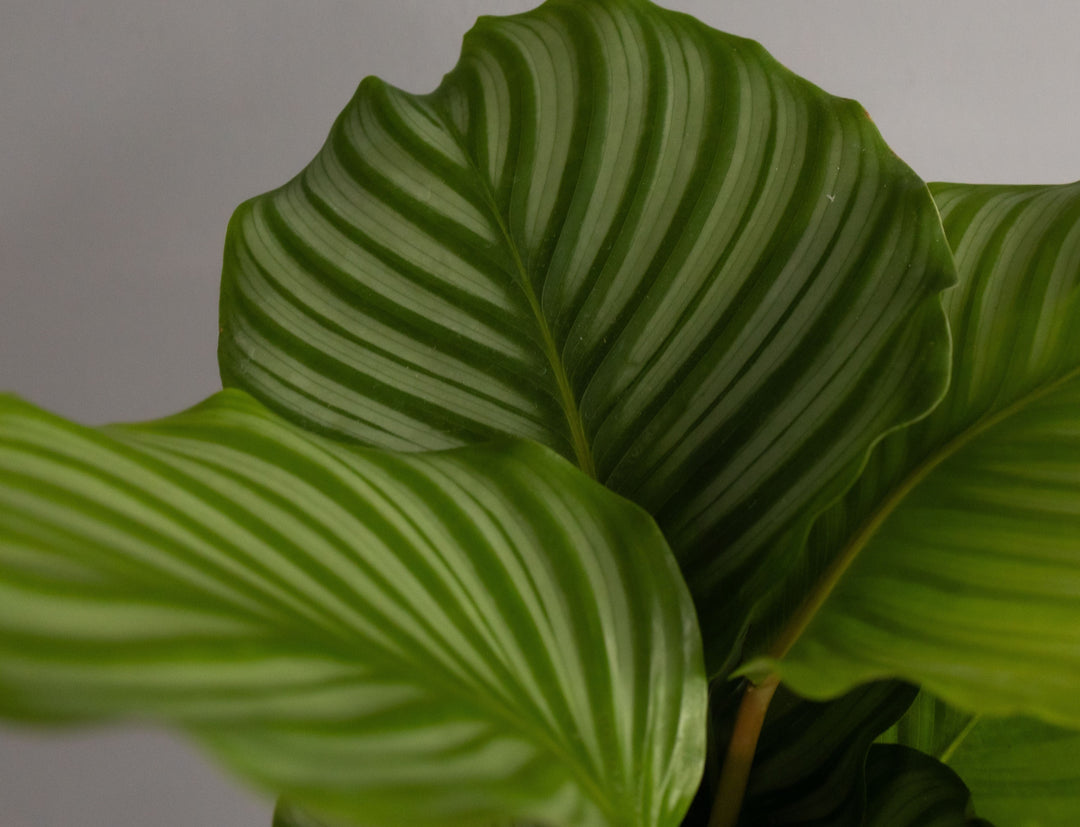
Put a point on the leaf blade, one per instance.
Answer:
(909, 789)
(626, 236)
(446, 638)
(810, 766)
(969, 516)
(1019, 770)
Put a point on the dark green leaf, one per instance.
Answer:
(906, 788)
(457, 638)
(629, 237)
(809, 766)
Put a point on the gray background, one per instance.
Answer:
(130, 130)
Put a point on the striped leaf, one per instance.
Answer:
(626, 236)
(931, 726)
(810, 765)
(959, 549)
(456, 638)
(906, 788)
(1020, 771)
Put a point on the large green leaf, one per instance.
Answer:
(1021, 772)
(959, 550)
(629, 237)
(451, 638)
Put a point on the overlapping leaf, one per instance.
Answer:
(906, 788)
(960, 548)
(931, 726)
(463, 637)
(629, 237)
(809, 770)
(815, 765)
(1020, 770)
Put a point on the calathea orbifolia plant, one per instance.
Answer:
(575, 412)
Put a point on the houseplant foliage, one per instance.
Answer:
(487, 616)
(618, 435)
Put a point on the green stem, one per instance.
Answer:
(961, 736)
(740, 754)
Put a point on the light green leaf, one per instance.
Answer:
(457, 638)
(1021, 772)
(959, 550)
(906, 788)
(931, 726)
(629, 237)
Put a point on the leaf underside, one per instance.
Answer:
(626, 236)
(463, 638)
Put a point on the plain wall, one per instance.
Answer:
(130, 130)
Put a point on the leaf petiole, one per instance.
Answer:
(740, 754)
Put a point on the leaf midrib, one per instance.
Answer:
(340, 643)
(827, 584)
(567, 401)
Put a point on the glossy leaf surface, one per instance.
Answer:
(1020, 771)
(626, 236)
(962, 541)
(463, 637)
